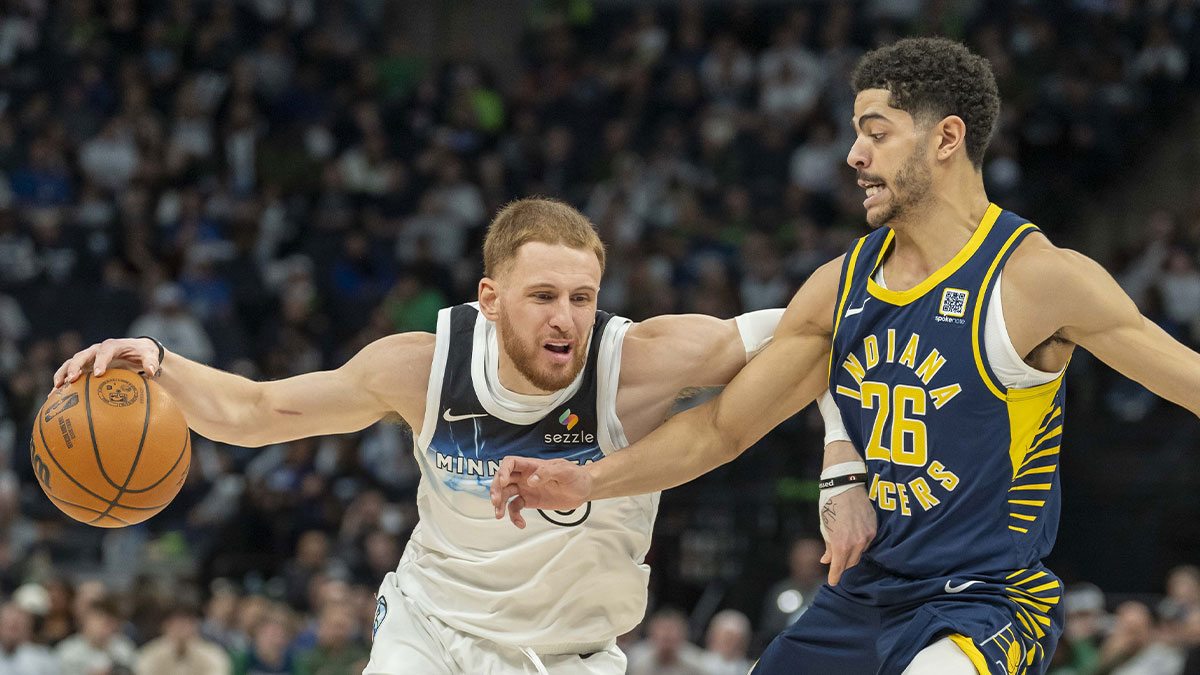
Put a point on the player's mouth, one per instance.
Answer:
(876, 193)
(560, 350)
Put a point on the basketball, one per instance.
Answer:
(110, 451)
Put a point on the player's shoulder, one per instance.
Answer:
(400, 354)
(1037, 260)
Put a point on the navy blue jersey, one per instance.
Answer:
(964, 472)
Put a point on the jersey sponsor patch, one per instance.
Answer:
(954, 302)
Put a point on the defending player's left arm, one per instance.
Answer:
(1093, 312)
(785, 377)
(665, 355)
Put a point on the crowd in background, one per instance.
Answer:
(268, 185)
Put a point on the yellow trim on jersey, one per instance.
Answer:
(846, 283)
(987, 278)
(968, 646)
(905, 297)
(1027, 410)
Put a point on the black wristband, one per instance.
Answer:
(162, 351)
(848, 479)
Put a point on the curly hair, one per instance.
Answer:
(934, 78)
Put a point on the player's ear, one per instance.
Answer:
(951, 134)
(489, 299)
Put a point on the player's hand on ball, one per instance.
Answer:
(848, 521)
(527, 483)
(135, 353)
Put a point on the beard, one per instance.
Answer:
(525, 358)
(909, 190)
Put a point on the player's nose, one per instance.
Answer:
(560, 315)
(858, 157)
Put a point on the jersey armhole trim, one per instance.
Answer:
(433, 397)
(980, 300)
(847, 281)
(609, 430)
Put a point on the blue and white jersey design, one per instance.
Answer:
(963, 470)
(570, 581)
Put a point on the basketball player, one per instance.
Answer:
(951, 326)
(533, 368)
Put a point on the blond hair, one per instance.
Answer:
(542, 219)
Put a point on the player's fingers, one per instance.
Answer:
(506, 494)
(837, 563)
(60, 376)
(514, 511)
(78, 362)
(104, 355)
(827, 556)
(499, 481)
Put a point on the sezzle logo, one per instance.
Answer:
(569, 421)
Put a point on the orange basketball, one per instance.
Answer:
(111, 451)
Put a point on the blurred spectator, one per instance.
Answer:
(726, 643)
(18, 653)
(1181, 602)
(181, 650)
(1134, 646)
(169, 321)
(788, 598)
(220, 614)
(268, 652)
(99, 648)
(338, 649)
(1180, 287)
(1086, 623)
(666, 650)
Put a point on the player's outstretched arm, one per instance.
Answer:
(669, 354)
(1093, 312)
(785, 377)
(388, 375)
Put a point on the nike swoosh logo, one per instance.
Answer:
(856, 310)
(960, 588)
(454, 418)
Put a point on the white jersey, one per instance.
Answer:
(568, 582)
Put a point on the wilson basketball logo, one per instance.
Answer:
(117, 392)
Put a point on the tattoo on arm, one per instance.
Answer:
(690, 397)
(828, 514)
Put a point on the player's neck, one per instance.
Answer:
(511, 379)
(930, 236)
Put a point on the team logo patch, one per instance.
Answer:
(380, 613)
(954, 302)
(568, 420)
(117, 392)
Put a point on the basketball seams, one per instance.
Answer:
(63, 502)
(136, 457)
(87, 391)
(187, 437)
(46, 446)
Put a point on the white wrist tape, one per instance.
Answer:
(834, 429)
(757, 329)
(843, 469)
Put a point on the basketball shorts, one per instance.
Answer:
(407, 640)
(875, 622)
